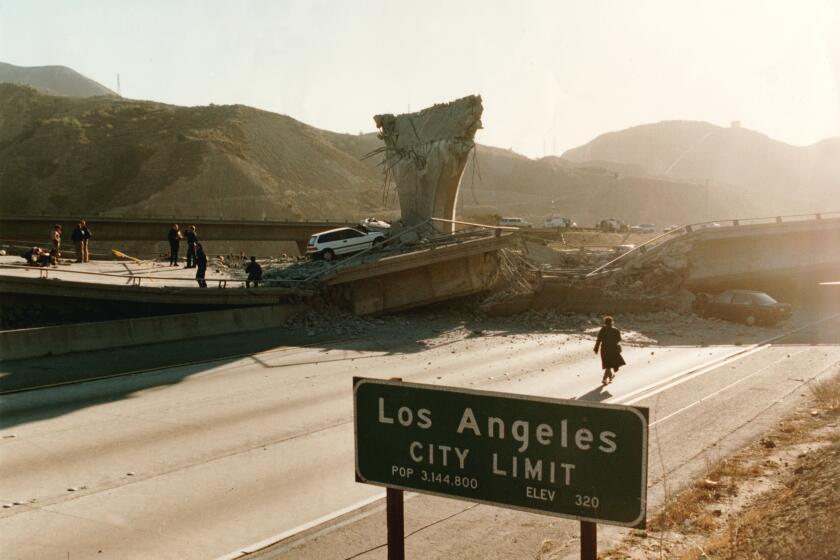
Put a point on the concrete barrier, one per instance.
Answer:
(64, 339)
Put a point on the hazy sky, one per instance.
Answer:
(552, 73)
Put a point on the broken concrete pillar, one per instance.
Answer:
(425, 153)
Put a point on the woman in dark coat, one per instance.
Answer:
(607, 341)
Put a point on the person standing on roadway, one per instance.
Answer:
(254, 271)
(55, 237)
(608, 342)
(86, 235)
(174, 244)
(76, 237)
(201, 265)
(192, 239)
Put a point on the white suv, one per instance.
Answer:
(341, 241)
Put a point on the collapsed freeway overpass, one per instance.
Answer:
(780, 253)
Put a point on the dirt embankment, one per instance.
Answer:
(778, 498)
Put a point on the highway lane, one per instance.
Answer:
(198, 460)
(697, 419)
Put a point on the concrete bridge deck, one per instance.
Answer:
(101, 290)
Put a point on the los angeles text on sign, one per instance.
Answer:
(567, 458)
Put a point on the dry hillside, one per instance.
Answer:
(784, 178)
(55, 80)
(108, 155)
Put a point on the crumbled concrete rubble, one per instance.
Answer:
(655, 274)
(516, 277)
(549, 259)
(332, 321)
(445, 323)
(571, 281)
(308, 273)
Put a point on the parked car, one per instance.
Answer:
(742, 305)
(375, 224)
(672, 227)
(559, 222)
(341, 241)
(515, 222)
(644, 228)
(612, 225)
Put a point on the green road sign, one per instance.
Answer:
(586, 461)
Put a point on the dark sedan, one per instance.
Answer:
(743, 305)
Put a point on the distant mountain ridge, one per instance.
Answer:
(797, 178)
(55, 80)
(108, 155)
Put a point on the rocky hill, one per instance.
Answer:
(55, 80)
(108, 155)
(784, 178)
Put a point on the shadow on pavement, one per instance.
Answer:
(146, 367)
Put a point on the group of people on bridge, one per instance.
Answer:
(80, 236)
(197, 258)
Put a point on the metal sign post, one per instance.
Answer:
(585, 461)
(395, 514)
(588, 541)
(396, 524)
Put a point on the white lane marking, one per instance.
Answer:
(251, 548)
(686, 375)
(719, 391)
(691, 373)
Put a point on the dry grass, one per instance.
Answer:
(826, 393)
(721, 480)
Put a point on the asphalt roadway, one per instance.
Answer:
(249, 441)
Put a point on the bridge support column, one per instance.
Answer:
(425, 153)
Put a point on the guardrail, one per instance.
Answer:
(178, 219)
(734, 222)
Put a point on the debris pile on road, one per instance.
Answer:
(294, 273)
(308, 272)
(516, 277)
(658, 275)
(329, 320)
(566, 261)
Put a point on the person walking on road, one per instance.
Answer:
(76, 237)
(201, 265)
(174, 244)
(86, 235)
(608, 343)
(55, 237)
(254, 271)
(192, 239)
